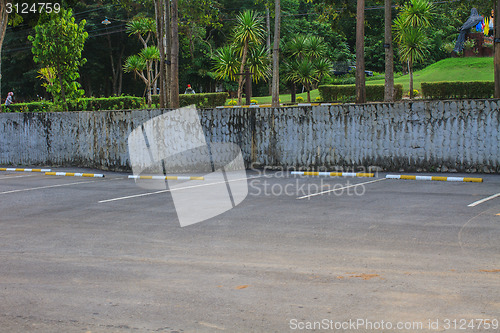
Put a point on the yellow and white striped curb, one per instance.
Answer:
(25, 170)
(167, 177)
(75, 174)
(333, 174)
(437, 178)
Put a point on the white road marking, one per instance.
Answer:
(339, 189)
(483, 200)
(177, 189)
(44, 187)
(21, 176)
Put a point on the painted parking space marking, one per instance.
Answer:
(167, 177)
(16, 176)
(339, 189)
(177, 189)
(475, 203)
(45, 187)
(436, 178)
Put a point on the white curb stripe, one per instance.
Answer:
(436, 178)
(75, 174)
(25, 170)
(333, 174)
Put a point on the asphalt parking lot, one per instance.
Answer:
(337, 254)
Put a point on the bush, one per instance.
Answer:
(29, 107)
(208, 100)
(374, 93)
(299, 99)
(450, 90)
(106, 103)
(82, 104)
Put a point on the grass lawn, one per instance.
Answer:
(451, 69)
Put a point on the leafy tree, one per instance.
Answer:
(58, 43)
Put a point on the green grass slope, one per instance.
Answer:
(451, 69)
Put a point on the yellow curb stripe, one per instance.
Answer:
(24, 170)
(435, 178)
(75, 174)
(333, 174)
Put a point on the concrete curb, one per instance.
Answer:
(25, 170)
(333, 174)
(75, 174)
(167, 177)
(436, 178)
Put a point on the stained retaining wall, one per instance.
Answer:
(412, 136)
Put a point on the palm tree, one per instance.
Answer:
(141, 64)
(307, 63)
(249, 29)
(305, 73)
(409, 28)
(226, 63)
(143, 27)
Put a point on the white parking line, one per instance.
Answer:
(339, 189)
(177, 189)
(483, 200)
(19, 176)
(44, 187)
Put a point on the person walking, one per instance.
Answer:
(8, 100)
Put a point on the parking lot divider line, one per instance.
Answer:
(48, 186)
(25, 170)
(475, 203)
(167, 177)
(339, 189)
(177, 189)
(436, 178)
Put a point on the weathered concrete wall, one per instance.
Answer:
(430, 135)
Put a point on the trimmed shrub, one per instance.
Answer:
(374, 93)
(106, 103)
(29, 107)
(451, 90)
(82, 104)
(204, 101)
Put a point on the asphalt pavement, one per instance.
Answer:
(323, 254)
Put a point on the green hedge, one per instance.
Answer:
(208, 100)
(450, 90)
(82, 104)
(347, 93)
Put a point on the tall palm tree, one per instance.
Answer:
(409, 28)
(249, 29)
